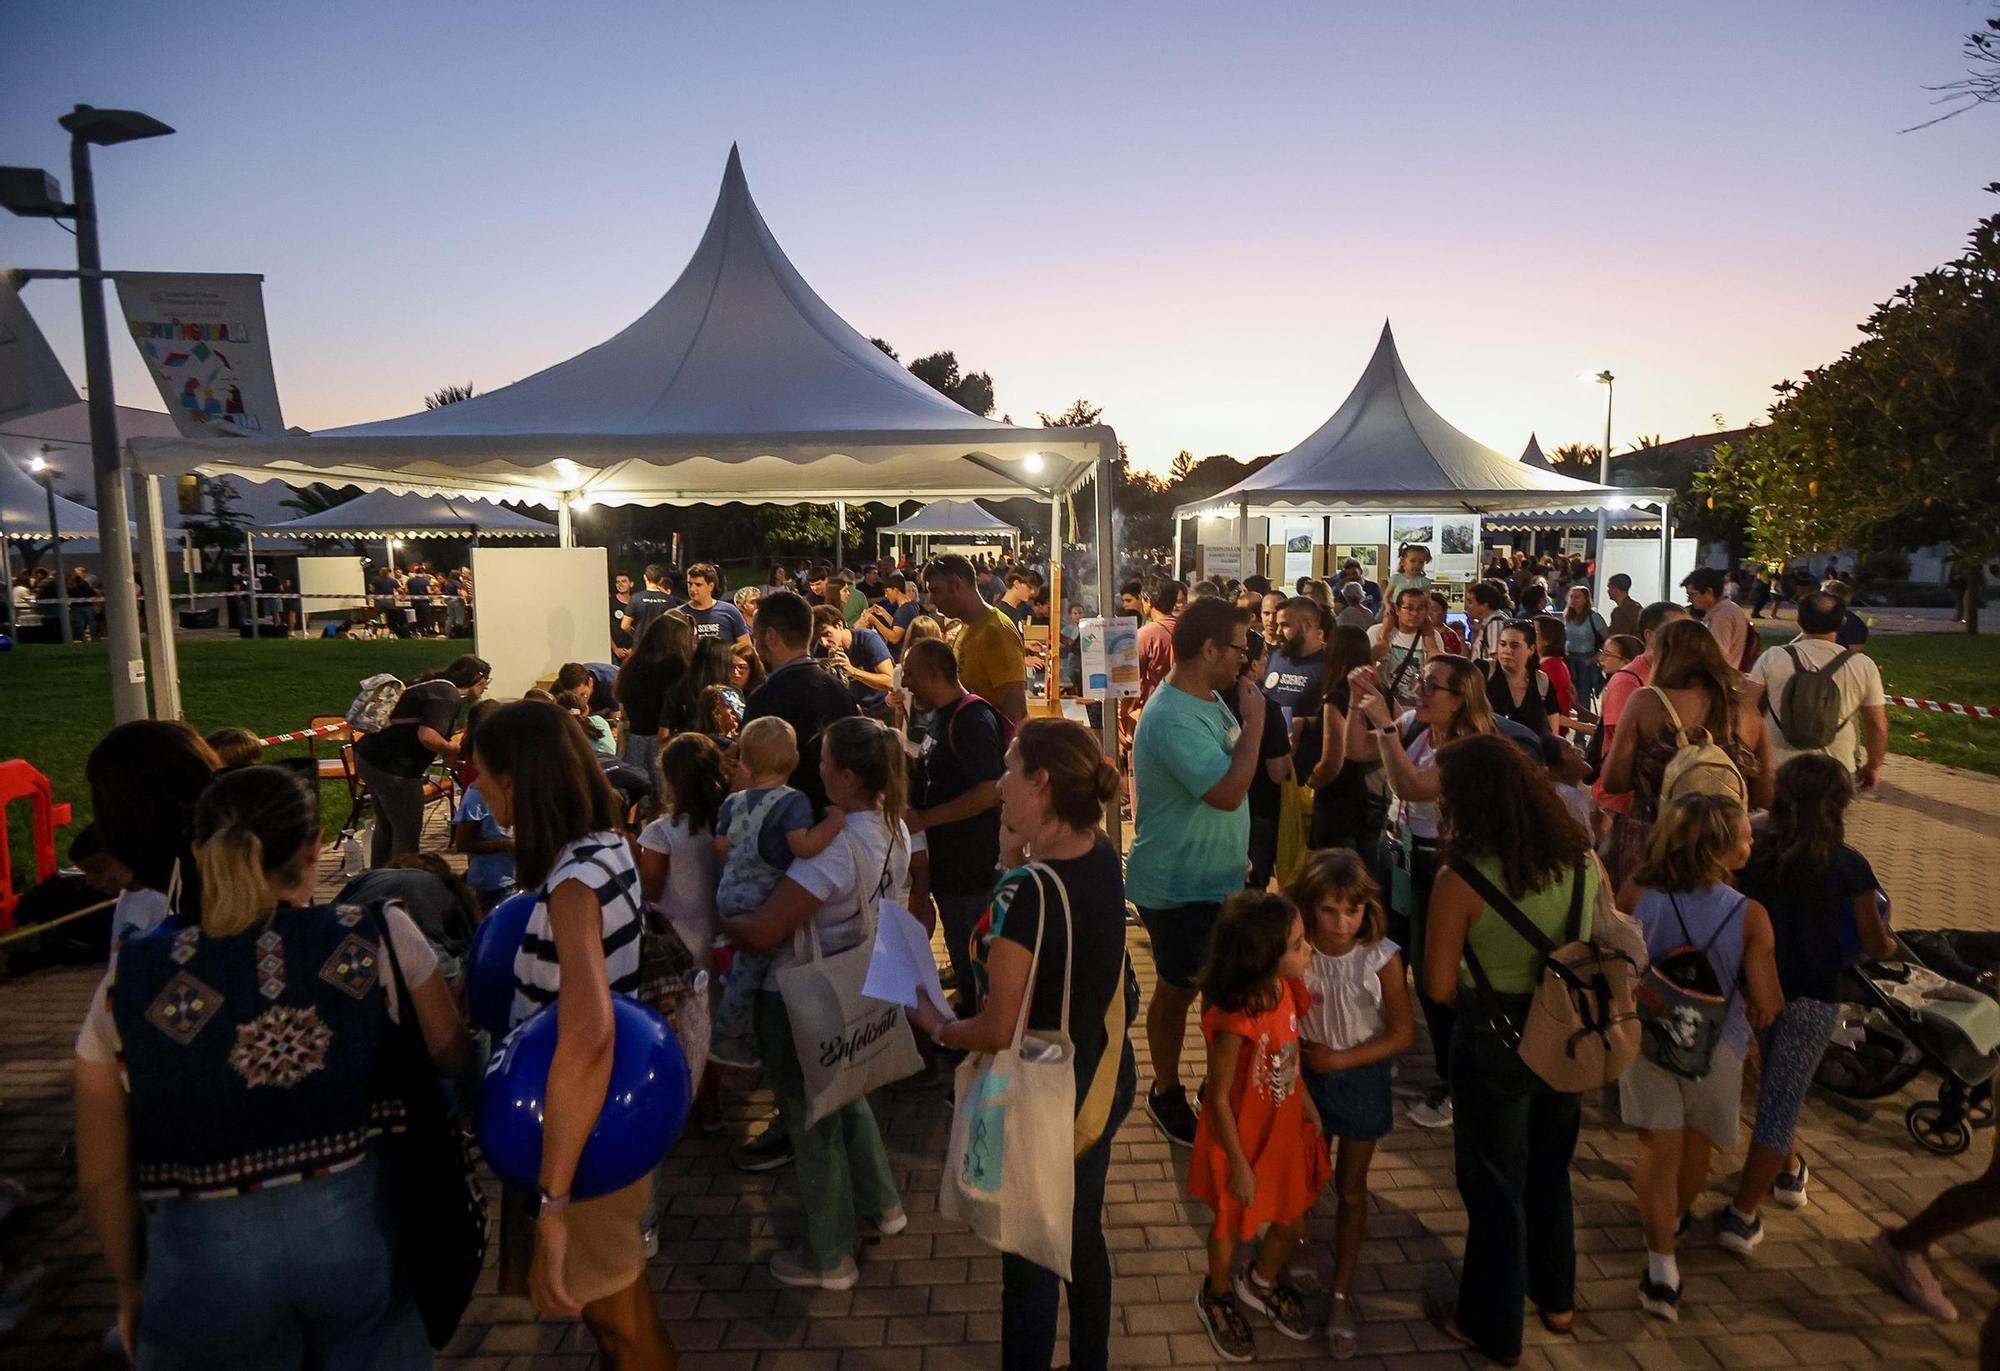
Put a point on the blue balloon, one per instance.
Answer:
(489, 969)
(645, 1104)
(6, 643)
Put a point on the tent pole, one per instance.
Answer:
(165, 654)
(1603, 540)
(1054, 669)
(1178, 526)
(250, 579)
(1107, 582)
(840, 535)
(1667, 548)
(565, 527)
(1244, 568)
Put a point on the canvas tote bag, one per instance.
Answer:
(847, 1043)
(1010, 1167)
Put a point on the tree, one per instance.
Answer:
(221, 526)
(1575, 458)
(1981, 83)
(448, 395)
(939, 371)
(1905, 425)
(1183, 465)
(886, 349)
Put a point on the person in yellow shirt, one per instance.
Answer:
(992, 663)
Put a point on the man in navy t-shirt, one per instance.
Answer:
(1295, 676)
(712, 618)
(893, 617)
(859, 654)
(646, 605)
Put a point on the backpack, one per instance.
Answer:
(1753, 648)
(951, 724)
(1593, 752)
(1700, 766)
(1682, 1007)
(1809, 714)
(371, 708)
(1581, 1026)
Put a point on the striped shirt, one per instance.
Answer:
(603, 863)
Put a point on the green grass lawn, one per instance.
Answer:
(55, 704)
(1956, 668)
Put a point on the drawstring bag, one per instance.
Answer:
(1010, 1167)
(1295, 810)
(848, 1044)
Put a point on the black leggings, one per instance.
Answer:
(1412, 922)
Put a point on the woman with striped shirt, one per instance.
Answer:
(539, 776)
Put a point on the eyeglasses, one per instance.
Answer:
(1429, 687)
(1242, 649)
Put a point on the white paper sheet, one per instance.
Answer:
(901, 966)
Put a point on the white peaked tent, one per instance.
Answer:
(740, 383)
(24, 508)
(1535, 521)
(383, 514)
(1386, 450)
(943, 518)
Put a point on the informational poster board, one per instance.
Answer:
(1217, 562)
(1639, 558)
(1110, 650)
(535, 608)
(1292, 544)
(341, 577)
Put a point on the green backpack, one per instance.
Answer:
(1809, 715)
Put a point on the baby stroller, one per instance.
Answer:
(1932, 1010)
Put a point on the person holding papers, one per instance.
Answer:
(1070, 900)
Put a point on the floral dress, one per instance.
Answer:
(1284, 1149)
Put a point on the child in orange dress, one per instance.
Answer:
(1259, 1158)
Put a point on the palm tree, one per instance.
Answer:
(448, 395)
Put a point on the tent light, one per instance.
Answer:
(38, 464)
(1617, 503)
(567, 469)
(582, 502)
(395, 542)
(1034, 463)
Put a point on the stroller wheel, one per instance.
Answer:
(1936, 1130)
(1979, 1110)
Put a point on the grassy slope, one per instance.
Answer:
(54, 705)
(1956, 668)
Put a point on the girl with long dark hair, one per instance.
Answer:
(646, 683)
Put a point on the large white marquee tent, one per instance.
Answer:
(740, 384)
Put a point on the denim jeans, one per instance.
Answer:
(300, 1275)
(1028, 1291)
(1513, 1138)
(1583, 674)
(844, 1172)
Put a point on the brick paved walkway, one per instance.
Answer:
(929, 1298)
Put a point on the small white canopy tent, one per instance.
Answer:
(1385, 449)
(383, 514)
(740, 384)
(943, 518)
(24, 508)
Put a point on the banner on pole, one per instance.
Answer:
(204, 341)
(31, 378)
(1110, 651)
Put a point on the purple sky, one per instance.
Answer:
(1195, 216)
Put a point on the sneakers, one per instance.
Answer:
(1343, 1330)
(1278, 1302)
(788, 1267)
(1789, 1190)
(1686, 1223)
(1661, 1301)
(1913, 1278)
(1222, 1318)
(1433, 1111)
(1169, 1108)
(736, 1052)
(890, 1224)
(1737, 1235)
(768, 1151)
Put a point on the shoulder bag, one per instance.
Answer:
(442, 1243)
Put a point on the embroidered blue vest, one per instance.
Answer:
(253, 1060)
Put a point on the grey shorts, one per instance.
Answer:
(1649, 1097)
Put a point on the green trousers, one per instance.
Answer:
(843, 1168)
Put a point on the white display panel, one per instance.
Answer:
(535, 608)
(1639, 558)
(341, 577)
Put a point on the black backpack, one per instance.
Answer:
(1593, 751)
(1682, 1005)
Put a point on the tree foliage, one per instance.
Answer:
(1903, 426)
(1576, 459)
(448, 395)
(220, 525)
(1981, 83)
(939, 371)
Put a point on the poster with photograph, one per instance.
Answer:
(1412, 528)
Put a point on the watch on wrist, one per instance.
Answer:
(547, 1204)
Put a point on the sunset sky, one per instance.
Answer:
(1197, 216)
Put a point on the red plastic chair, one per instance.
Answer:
(21, 781)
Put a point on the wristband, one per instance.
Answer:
(547, 1204)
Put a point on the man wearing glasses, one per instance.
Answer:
(1191, 836)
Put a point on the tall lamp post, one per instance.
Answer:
(1605, 379)
(39, 468)
(88, 126)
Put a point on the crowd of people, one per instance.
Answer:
(1345, 822)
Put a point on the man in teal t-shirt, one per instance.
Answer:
(1192, 766)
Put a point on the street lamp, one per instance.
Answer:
(1605, 379)
(39, 468)
(35, 193)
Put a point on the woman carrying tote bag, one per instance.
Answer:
(1051, 799)
(843, 1168)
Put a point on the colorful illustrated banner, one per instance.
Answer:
(204, 340)
(1110, 649)
(31, 379)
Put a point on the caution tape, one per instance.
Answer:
(36, 930)
(1942, 707)
(294, 737)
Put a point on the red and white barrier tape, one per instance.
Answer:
(319, 732)
(1940, 707)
